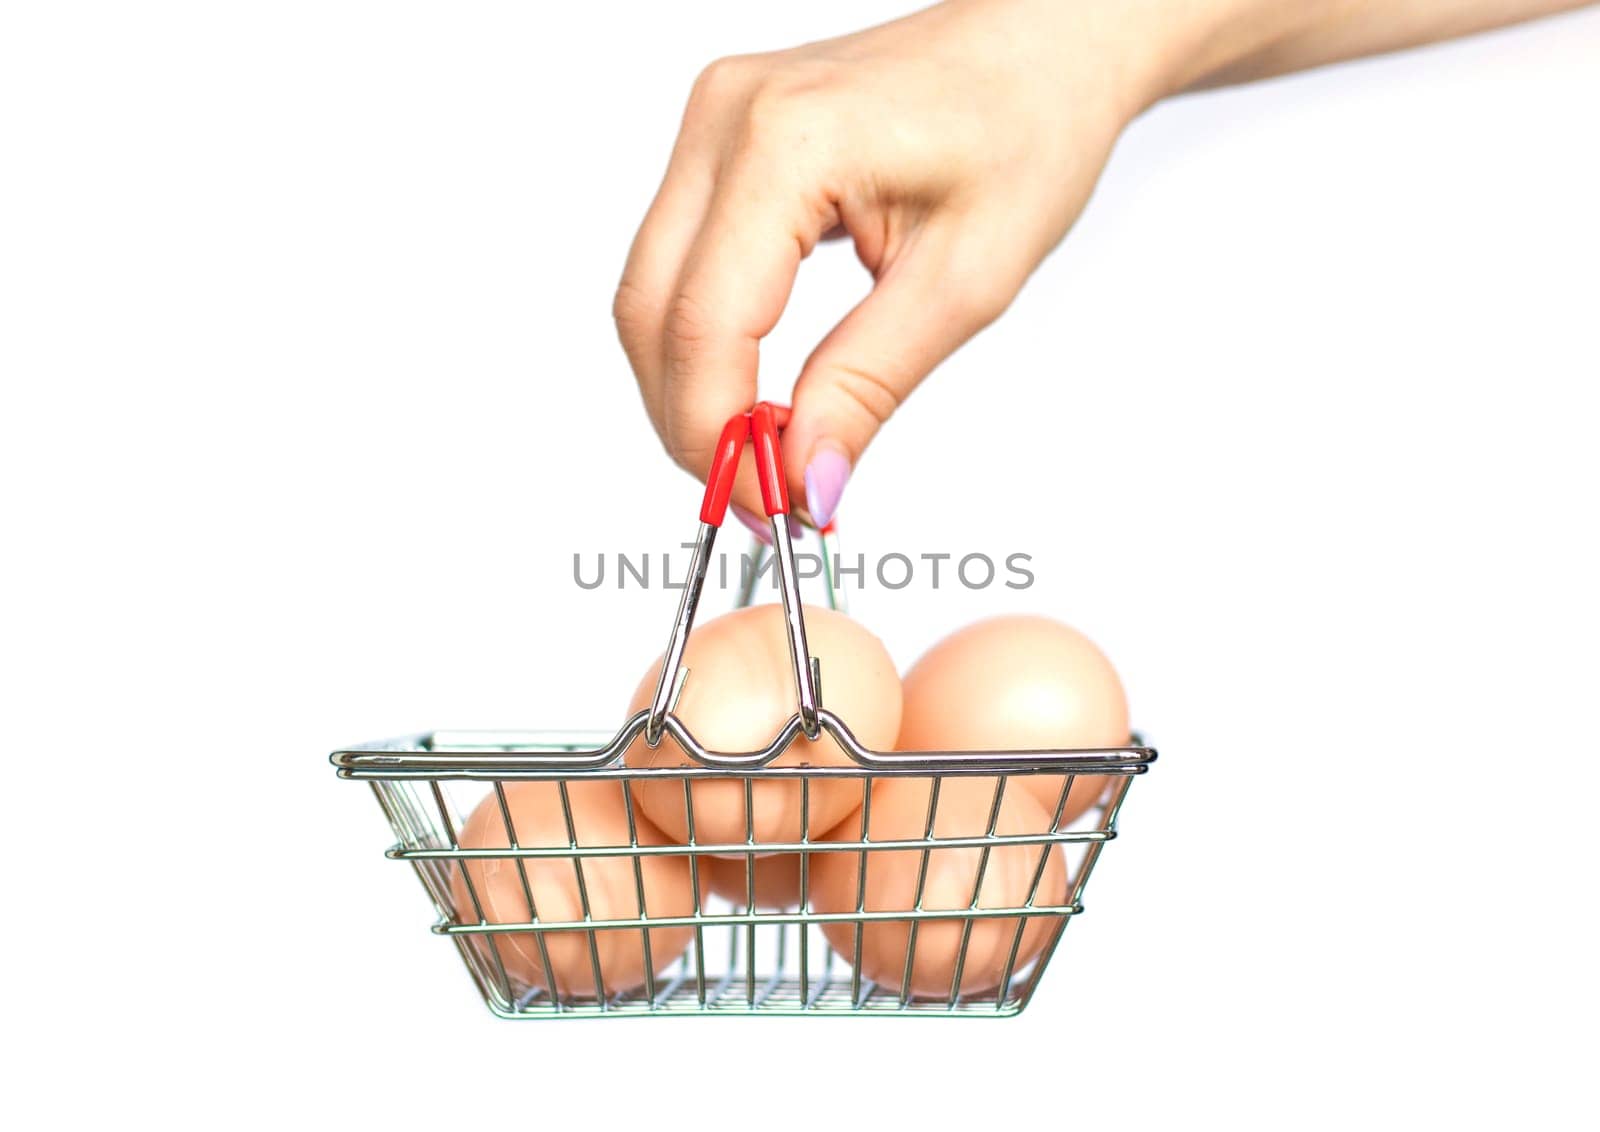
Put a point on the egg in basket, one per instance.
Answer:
(740, 848)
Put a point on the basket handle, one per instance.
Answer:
(761, 425)
(765, 420)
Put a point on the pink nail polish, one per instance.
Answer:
(758, 526)
(825, 480)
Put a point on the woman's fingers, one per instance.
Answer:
(645, 290)
(735, 282)
(944, 285)
(655, 261)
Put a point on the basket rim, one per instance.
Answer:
(536, 754)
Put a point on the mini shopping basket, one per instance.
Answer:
(743, 959)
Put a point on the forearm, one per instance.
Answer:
(1139, 52)
(1222, 42)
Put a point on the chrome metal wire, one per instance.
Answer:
(768, 961)
(742, 958)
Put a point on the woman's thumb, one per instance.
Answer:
(917, 315)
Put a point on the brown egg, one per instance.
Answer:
(1017, 683)
(777, 879)
(900, 812)
(739, 694)
(599, 818)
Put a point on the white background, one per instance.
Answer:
(310, 394)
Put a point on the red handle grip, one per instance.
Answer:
(764, 425)
(724, 466)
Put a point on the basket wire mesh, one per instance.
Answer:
(743, 955)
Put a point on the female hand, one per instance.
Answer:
(955, 148)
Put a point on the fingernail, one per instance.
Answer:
(758, 526)
(825, 480)
(796, 527)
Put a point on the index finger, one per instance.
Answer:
(735, 283)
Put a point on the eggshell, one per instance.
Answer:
(777, 879)
(599, 818)
(739, 693)
(1017, 683)
(900, 812)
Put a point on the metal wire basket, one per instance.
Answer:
(740, 953)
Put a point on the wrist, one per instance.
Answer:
(1142, 51)
(1198, 45)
